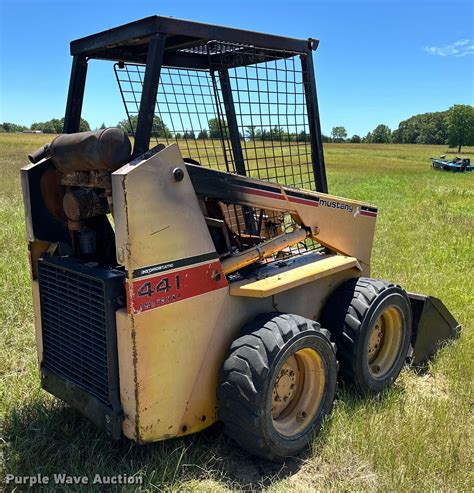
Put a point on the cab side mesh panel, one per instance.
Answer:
(270, 110)
(266, 93)
(187, 108)
(271, 114)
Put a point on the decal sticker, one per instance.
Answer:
(173, 284)
(275, 193)
(173, 264)
(368, 211)
(334, 204)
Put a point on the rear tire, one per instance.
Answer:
(371, 322)
(277, 385)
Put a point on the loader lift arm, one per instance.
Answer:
(342, 225)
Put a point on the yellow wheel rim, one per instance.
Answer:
(297, 392)
(384, 342)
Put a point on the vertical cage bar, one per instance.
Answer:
(232, 121)
(77, 84)
(317, 155)
(156, 49)
(235, 143)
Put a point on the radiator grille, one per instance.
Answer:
(73, 312)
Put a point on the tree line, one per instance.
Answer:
(217, 128)
(53, 126)
(454, 127)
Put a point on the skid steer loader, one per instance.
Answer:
(202, 272)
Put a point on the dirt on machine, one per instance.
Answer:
(192, 267)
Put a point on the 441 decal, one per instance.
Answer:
(163, 289)
(163, 286)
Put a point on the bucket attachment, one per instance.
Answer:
(433, 325)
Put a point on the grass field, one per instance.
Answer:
(416, 437)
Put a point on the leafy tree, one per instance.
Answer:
(428, 135)
(251, 131)
(426, 128)
(159, 128)
(11, 127)
(381, 134)
(355, 139)
(56, 126)
(368, 138)
(217, 127)
(460, 125)
(53, 126)
(324, 138)
(189, 134)
(397, 137)
(274, 134)
(103, 127)
(302, 136)
(338, 134)
(277, 133)
(203, 134)
(83, 125)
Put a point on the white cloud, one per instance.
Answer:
(457, 49)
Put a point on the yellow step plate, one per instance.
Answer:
(293, 275)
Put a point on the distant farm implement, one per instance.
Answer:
(456, 165)
(210, 275)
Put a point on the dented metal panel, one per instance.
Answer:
(152, 210)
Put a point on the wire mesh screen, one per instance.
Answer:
(271, 113)
(267, 97)
(188, 111)
(245, 114)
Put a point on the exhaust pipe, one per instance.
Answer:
(40, 154)
(107, 149)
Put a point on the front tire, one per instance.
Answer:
(371, 322)
(277, 385)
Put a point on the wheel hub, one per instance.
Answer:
(285, 386)
(376, 340)
(297, 392)
(384, 342)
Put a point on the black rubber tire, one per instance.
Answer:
(350, 314)
(247, 379)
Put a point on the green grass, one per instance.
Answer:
(416, 437)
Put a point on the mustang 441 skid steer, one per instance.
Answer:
(205, 273)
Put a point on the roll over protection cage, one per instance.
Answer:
(157, 42)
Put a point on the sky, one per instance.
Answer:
(379, 61)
